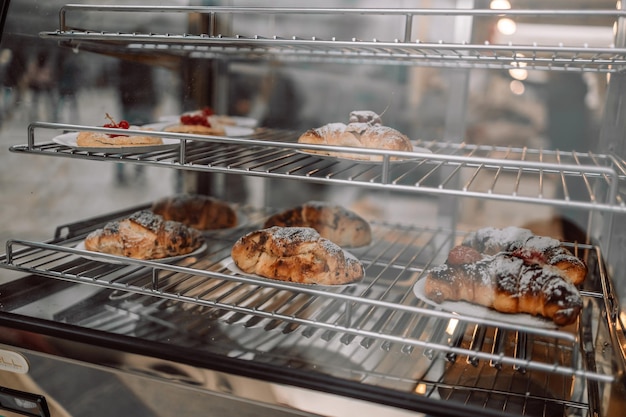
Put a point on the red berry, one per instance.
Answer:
(124, 124)
(199, 119)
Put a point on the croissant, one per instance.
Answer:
(332, 221)
(144, 235)
(198, 211)
(295, 254)
(505, 283)
(523, 244)
(365, 130)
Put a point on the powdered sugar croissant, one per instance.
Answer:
(365, 130)
(505, 283)
(144, 235)
(332, 221)
(295, 254)
(522, 243)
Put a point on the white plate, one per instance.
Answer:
(234, 131)
(244, 121)
(229, 264)
(333, 155)
(69, 139)
(201, 249)
(239, 121)
(468, 309)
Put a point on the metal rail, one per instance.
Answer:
(588, 181)
(382, 307)
(402, 50)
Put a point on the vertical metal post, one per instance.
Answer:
(408, 28)
(456, 109)
(611, 228)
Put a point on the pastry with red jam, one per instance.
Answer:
(200, 122)
(114, 140)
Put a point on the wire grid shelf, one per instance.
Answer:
(381, 308)
(584, 180)
(402, 50)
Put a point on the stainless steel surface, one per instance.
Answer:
(181, 324)
(148, 386)
(379, 309)
(489, 172)
(376, 333)
(404, 49)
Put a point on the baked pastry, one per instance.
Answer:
(200, 122)
(505, 283)
(102, 140)
(198, 211)
(295, 254)
(523, 244)
(105, 140)
(332, 222)
(365, 130)
(144, 235)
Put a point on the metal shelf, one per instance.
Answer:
(587, 181)
(380, 309)
(402, 50)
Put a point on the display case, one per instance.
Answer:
(202, 327)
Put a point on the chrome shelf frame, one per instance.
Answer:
(589, 181)
(382, 307)
(401, 50)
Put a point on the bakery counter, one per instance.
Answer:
(589, 181)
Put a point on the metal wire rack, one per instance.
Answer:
(380, 310)
(587, 181)
(271, 321)
(404, 49)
